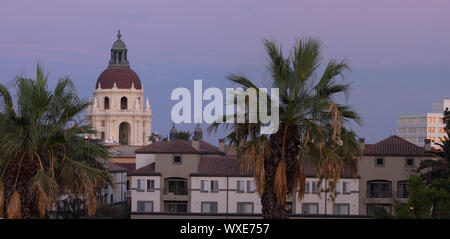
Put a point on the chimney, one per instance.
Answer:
(196, 144)
(427, 145)
(362, 143)
(222, 145)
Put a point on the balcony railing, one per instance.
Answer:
(376, 194)
(175, 191)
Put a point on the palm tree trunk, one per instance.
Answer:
(271, 209)
(28, 201)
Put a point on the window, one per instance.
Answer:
(431, 129)
(409, 162)
(244, 207)
(106, 103)
(140, 184)
(346, 187)
(378, 189)
(338, 187)
(176, 186)
(112, 198)
(431, 119)
(102, 136)
(315, 187)
(402, 189)
(176, 159)
(103, 123)
(150, 185)
(341, 209)
(379, 162)
(250, 186)
(307, 187)
(124, 103)
(204, 186)
(171, 206)
(145, 206)
(209, 207)
(310, 208)
(128, 184)
(214, 185)
(240, 187)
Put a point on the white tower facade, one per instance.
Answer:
(118, 112)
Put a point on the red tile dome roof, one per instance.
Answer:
(124, 77)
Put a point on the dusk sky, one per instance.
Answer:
(399, 50)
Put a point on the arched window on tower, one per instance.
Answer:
(124, 103)
(106, 103)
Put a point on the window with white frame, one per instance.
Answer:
(315, 187)
(204, 186)
(250, 186)
(341, 209)
(310, 208)
(307, 187)
(150, 184)
(240, 187)
(145, 206)
(244, 207)
(338, 187)
(214, 185)
(346, 187)
(140, 184)
(209, 207)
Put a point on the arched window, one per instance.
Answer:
(124, 103)
(106, 103)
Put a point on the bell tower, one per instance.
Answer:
(118, 112)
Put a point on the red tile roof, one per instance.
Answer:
(130, 167)
(148, 170)
(122, 76)
(220, 166)
(395, 146)
(227, 166)
(179, 147)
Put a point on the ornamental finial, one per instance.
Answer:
(119, 35)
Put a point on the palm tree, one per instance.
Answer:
(312, 127)
(183, 135)
(44, 152)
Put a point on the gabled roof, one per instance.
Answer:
(395, 146)
(148, 170)
(130, 167)
(178, 147)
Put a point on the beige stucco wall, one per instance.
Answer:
(394, 170)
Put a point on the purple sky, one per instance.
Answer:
(399, 50)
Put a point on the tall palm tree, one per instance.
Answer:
(43, 151)
(312, 127)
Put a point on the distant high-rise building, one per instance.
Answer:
(417, 127)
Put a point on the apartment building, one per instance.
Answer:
(178, 179)
(384, 170)
(417, 127)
